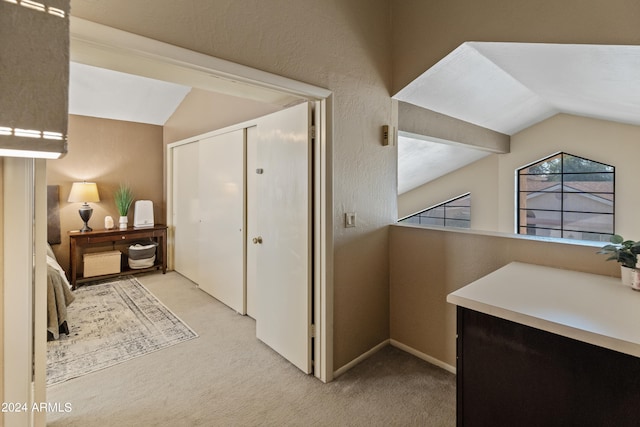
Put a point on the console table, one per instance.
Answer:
(78, 241)
(540, 346)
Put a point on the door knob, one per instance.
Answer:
(257, 240)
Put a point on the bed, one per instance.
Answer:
(59, 296)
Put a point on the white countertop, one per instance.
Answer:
(587, 307)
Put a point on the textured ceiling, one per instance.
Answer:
(507, 87)
(97, 92)
(423, 160)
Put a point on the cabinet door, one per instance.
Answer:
(186, 210)
(221, 239)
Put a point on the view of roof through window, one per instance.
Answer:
(566, 196)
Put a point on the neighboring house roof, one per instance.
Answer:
(595, 189)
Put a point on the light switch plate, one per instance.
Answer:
(349, 219)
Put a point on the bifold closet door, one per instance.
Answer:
(221, 188)
(186, 210)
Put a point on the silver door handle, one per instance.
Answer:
(257, 240)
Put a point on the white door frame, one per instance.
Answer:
(98, 45)
(25, 289)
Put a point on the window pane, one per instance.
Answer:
(424, 220)
(587, 203)
(578, 164)
(462, 212)
(437, 212)
(546, 166)
(411, 220)
(542, 219)
(589, 183)
(599, 223)
(551, 201)
(540, 182)
(457, 223)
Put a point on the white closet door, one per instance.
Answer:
(186, 210)
(221, 182)
(284, 234)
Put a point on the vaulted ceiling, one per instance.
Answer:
(507, 87)
(108, 94)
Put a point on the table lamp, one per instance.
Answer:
(84, 192)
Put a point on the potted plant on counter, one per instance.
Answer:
(624, 252)
(123, 198)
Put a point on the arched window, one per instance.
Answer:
(453, 213)
(566, 196)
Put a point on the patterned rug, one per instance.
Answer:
(111, 322)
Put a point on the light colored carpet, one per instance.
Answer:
(229, 378)
(111, 322)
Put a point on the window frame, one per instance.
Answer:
(563, 193)
(444, 217)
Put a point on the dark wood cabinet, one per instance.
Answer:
(79, 242)
(541, 346)
(510, 374)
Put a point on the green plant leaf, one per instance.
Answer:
(123, 199)
(616, 239)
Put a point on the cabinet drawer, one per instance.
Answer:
(117, 238)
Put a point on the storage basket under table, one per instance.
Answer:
(142, 255)
(101, 263)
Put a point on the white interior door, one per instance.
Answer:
(221, 181)
(283, 237)
(186, 210)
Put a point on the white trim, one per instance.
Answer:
(361, 358)
(423, 356)
(90, 41)
(98, 45)
(24, 287)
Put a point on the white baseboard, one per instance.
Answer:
(360, 358)
(425, 357)
(402, 347)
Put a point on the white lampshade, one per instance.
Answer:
(34, 83)
(84, 192)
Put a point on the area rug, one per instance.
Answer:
(111, 322)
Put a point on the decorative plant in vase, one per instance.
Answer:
(624, 252)
(123, 198)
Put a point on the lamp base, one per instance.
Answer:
(85, 212)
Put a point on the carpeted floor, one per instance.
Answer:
(228, 377)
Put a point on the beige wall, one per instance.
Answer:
(108, 152)
(479, 178)
(343, 46)
(425, 31)
(428, 264)
(491, 180)
(202, 111)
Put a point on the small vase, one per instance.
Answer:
(635, 279)
(123, 222)
(627, 274)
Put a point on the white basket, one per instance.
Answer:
(136, 264)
